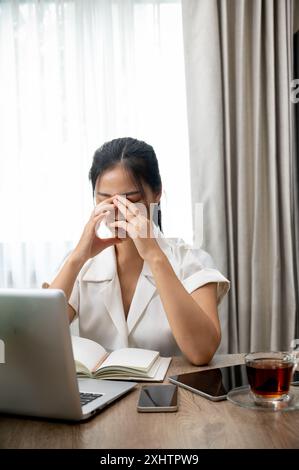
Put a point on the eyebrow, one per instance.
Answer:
(123, 194)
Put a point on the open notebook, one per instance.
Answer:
(92, 360)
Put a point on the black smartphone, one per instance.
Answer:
(213, 384)
(155, 398)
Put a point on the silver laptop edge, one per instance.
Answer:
(37, 370)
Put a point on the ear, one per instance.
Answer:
(158, 196)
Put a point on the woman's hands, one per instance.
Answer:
(134, 224)
(89, 244)
(137, 226)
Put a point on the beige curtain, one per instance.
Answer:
(238, 56)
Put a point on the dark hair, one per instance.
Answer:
(137, 157)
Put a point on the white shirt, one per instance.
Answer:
(96, 298)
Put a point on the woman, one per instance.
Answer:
(137, 288)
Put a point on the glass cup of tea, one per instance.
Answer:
(269, 376)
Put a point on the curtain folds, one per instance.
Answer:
(238, 58)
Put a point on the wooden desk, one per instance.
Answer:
(199, 423)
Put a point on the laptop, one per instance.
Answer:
(37, 368)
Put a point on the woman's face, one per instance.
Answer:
(118, 181)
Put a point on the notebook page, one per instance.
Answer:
(87, 352)
(135, 358)
(125, 371)
(161, 366)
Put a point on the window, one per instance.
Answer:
(75, 74)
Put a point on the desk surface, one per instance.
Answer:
(199, 423)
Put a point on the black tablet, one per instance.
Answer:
(213, 384)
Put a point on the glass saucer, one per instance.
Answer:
(242, 396)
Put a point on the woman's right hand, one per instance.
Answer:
(89, 244)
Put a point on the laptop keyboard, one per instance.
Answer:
(88, 397)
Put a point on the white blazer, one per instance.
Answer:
(96, 298)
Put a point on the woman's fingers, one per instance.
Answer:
(130, 205)
(105, 241)
(125, 212)
(120, 224)
(109, 200)
(103, 207)
(134, 231)
(91, 226)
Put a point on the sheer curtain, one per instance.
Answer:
(73, 74)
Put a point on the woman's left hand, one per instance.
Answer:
(137, 226)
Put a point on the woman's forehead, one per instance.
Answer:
(117, 179)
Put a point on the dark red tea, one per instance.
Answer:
(269, 378)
